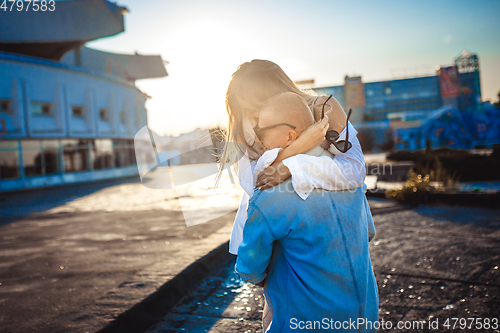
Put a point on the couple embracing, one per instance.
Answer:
(303, 226)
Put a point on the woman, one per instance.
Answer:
(251, 85)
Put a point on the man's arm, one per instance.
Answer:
(261, 283)
(256, 248)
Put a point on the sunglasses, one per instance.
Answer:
(332, 136)
(258, 131)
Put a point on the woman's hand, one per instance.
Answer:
(311, 137)
(273, 175)
(277, 172)
(337, 115)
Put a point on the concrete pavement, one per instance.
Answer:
(74, 258)
(78, 265)
(95, 255)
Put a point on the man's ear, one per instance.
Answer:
(292, 136)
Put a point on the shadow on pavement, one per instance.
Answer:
(479, 217)
(16, 205)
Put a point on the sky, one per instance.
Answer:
(205, 41)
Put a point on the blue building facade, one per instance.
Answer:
(413, 97)
(398, 114)
(401, 98)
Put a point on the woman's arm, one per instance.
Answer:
(312, 137)
(334, 111)
(344, 171)
(315, 135)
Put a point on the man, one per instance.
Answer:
(314, 252)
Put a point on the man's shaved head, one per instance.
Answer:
(288, 108)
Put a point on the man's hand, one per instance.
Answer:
(261, 283)
(273, 175)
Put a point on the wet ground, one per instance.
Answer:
(436, 268)
(222, 304)
(434, 264)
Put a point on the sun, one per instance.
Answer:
(202, 54)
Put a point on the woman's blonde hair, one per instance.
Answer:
(255, 82)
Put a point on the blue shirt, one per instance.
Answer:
(315, 255)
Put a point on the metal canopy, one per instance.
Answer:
(50, 34)
(129, 66)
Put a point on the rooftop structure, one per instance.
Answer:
(52, 32)
(68, 113)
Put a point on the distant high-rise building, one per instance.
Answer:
(411, 98)
(442, 110)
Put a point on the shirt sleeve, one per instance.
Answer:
(371, 229)
(239, 223)
(246, 179)
(267, 158)
(245, 174)
(254, 253)
(369, 218)
(345, 171)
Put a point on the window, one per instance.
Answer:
(75, 155)
(50, 150)
(32, 158)
(9, 159)
(5, 105)
(40, 157)
(78, 111)
(103, 153)
(131, 152)
(124, 152)
(41, 109)
(103, 114)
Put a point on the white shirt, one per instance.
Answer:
(342, 172)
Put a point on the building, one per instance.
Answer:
(68, 113)
(390, 114)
